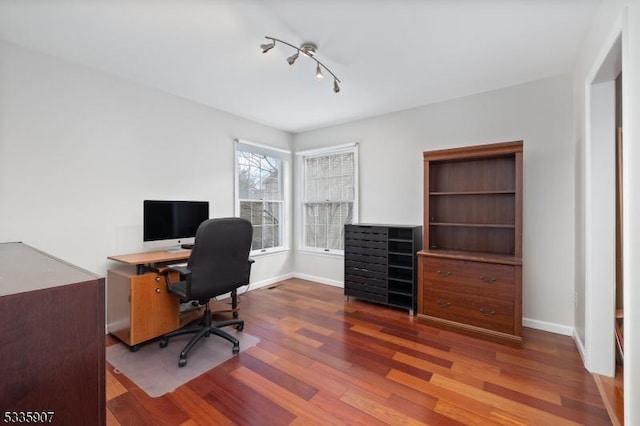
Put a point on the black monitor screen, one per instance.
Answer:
(168, 220)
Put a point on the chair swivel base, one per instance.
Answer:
(201, 331)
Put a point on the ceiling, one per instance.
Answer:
(389, 54)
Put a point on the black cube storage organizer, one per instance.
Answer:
(380, 263)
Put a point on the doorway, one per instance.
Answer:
(602, 251)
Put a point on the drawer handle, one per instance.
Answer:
(487, 279)
(158, 290)
(487, 312)
(443, 303)
(447, 273)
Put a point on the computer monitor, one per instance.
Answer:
(169, 224)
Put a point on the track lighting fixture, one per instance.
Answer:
(308, 50)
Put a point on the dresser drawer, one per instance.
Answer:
(374, 254)
(485, 312)
(364, 264)
(366, 273)
(366, 288)
(473, 278)
(366, 236)
(366, 232)
(377, 285)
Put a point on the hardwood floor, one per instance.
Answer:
(323, 360)
(612, 391)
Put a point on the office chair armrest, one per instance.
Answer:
(182, 270)
(251, 262)
(180, 287)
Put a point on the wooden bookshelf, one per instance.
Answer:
(470, 273)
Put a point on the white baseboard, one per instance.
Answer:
(580, 345)
(548, 326)
(266, 283)
(320, 280)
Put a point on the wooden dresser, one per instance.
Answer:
(470, 272)
(52, 326)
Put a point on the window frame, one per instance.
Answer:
(285, 179)
(301, 171)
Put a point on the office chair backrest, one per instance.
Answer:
(219, 260)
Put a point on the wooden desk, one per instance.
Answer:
(149, 260)
(139, 306)
(52, 356)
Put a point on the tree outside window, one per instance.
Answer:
(261, 196)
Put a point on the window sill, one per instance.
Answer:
(322, 253)
(260, 253)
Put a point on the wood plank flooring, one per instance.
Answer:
(323, 360)
(612, 392)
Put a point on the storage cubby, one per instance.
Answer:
(401, 259)
(405, 234)
(381, 264)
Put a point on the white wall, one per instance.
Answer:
(596, 45)
(539, 113)
(631, 101)
(80, 150)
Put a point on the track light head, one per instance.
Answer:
(319, 72)
(267, 46)
(336, 88)
(291, 59)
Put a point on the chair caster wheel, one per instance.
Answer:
(182, 362)
(164, 343)
(240, 327)
(235, 349)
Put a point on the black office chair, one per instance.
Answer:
(219, 264)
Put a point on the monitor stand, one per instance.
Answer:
(175, 249)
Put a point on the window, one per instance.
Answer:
(260, 195)
(330, 196)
